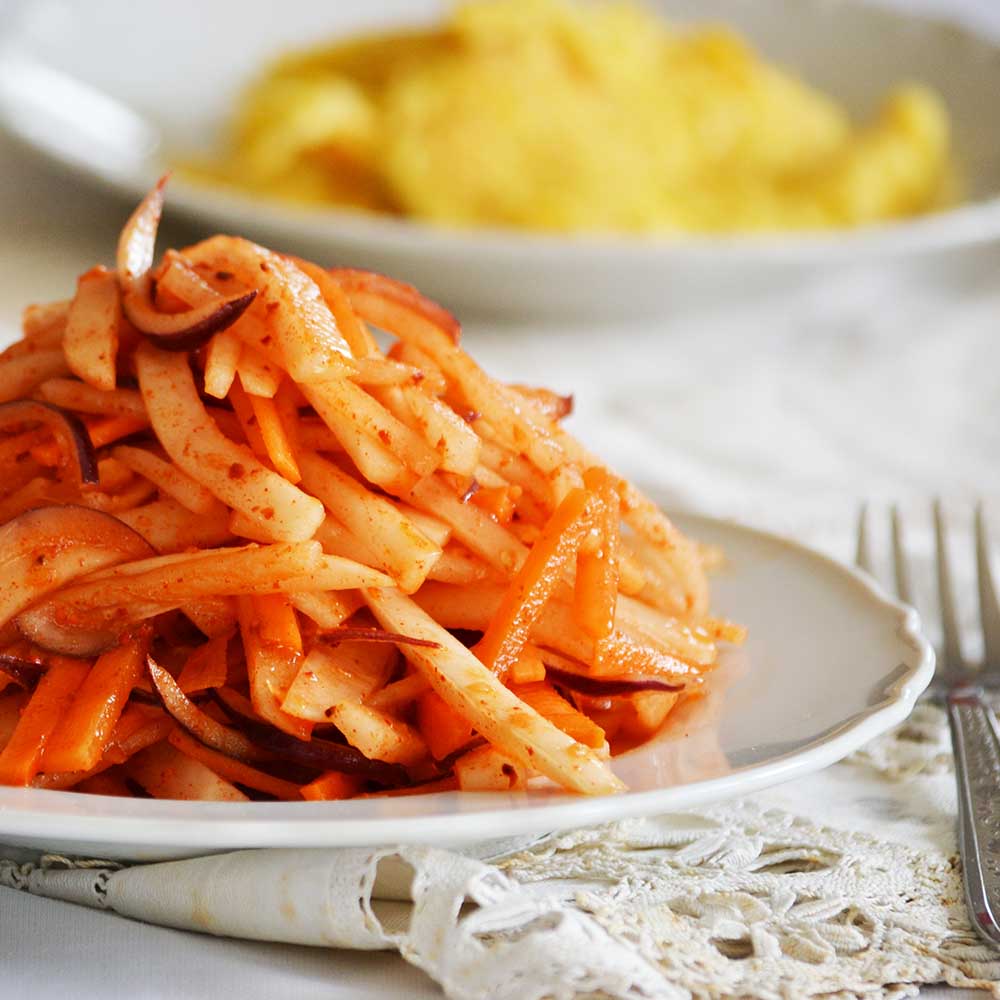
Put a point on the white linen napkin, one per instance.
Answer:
(741, 899)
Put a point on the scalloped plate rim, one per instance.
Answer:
(152, 828)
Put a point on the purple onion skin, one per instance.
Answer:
(320, 754)
(186, 338)
(327, 756)
(607, 687)
(21, 409)
(345, 633)
(25, 673)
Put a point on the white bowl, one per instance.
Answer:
(180, 64)
(830, 662)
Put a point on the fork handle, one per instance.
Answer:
(976, 741)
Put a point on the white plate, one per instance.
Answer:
(831, 662)
(180, 63)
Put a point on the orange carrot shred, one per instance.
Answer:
(20, 759)
(596, 593)
(81, 736)
(207, 667)
(276, 443)
(498, 501)
(109, 429)
(443, 729)
(535, 582)
(245, 414)
(273, 647)
(332, 785)
(547, 702)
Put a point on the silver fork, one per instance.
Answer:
(974, 732)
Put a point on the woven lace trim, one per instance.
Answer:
(920, 746)
(739, 901)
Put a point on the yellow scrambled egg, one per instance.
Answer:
(546, 115)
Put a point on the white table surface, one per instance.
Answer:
(829, 353)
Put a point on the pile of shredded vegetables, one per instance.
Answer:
(248, 552)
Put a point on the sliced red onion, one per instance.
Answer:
(323, 755)
(40, 626)
(44, 549)
(136, 253)
(607, 687)
(346, 633)
(184, 330)
(326, 756)
(203, 727)
(21, 671)
(141, 697)
(68, 429)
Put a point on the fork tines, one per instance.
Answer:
(952, 660)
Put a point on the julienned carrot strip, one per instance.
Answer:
(621, 653)
(108, 429)
(596, 593)
(287, 401)
(332, 785)
(534, 583)
(81, 736)
(20, 759)
(442, 728)
(140, 726)
(277, 622)
(498, 501)
(276, 443)
(548, 703)
(11, 705)
(206, 667)
(273, 648)
(102, 431)
(234, 770)
(243, 409)
(528, 668)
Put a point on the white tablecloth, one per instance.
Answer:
(876, 385)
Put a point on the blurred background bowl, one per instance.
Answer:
(173, 69)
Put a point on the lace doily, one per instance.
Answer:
(739, 900)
